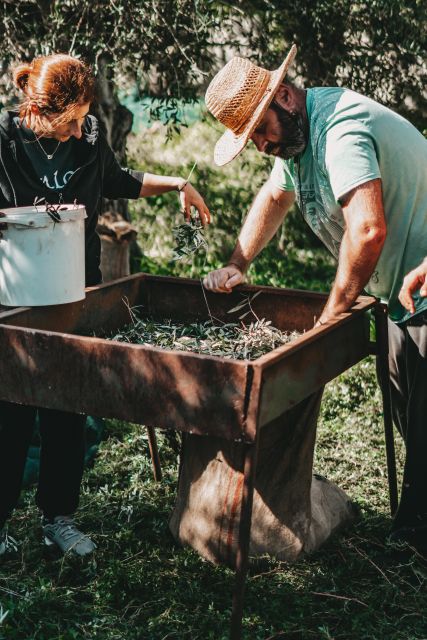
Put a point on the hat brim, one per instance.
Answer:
(230, 144)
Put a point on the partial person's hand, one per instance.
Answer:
(329, 316)
(319, 323)
(324, 319)
(414, 280)
(190, 197)
(3, 225)
(223, 280)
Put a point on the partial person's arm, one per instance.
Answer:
(154, 185)
(414, 280)
(264, 218)
(360, 249)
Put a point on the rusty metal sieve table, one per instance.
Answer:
(44, 348)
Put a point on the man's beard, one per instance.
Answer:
(293, 133)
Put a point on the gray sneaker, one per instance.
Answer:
(63, 532)
(7, 543)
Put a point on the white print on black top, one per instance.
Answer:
(57, 183)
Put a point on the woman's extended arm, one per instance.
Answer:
(154, 184)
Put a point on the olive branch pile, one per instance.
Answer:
(228, 340)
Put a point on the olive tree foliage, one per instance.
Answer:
(170, 48)
(160, 46)
(377, 47)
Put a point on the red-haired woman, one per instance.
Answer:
(53, 149)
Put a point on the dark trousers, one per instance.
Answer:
(61, 458)
(408, 376)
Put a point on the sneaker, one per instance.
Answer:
(7, 543)
(63, 532)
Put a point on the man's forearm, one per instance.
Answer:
(264, 218)
(360, 249)
(353, 273)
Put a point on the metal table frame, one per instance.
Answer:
(241, 396)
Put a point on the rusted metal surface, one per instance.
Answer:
(300, 368)
(163, 296)
(242, 559)
(154, 454)
(183, 299)
(47, 363)
(105, 307)
(141, 384)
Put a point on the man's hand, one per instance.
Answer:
(414, 280)
(264, 218)
(223, 280)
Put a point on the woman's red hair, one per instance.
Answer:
(56, 85)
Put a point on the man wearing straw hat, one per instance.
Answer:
(358, 172)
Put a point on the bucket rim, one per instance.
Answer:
(32, 209)
(31, 216)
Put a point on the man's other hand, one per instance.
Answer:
(414, 280)
(223, 280)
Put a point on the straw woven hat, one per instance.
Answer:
(238, 96)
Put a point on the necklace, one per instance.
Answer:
(49, 156)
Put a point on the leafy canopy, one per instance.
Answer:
(163, 44)
(172, 47)
(377, 47)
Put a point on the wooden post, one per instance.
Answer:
(116, 235)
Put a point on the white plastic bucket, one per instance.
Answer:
(42, 261)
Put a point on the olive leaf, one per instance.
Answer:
(189, 238)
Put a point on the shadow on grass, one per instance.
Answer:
(140, 585)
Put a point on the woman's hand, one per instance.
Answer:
(154, 185)
(190, 197)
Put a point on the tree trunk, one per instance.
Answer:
(116, 123)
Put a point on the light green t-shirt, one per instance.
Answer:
(353, 140)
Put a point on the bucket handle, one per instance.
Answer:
(52, 210)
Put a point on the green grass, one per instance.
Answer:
(140, 585)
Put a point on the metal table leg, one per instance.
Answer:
(242, 559)
(383, 372)
(154, 453)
